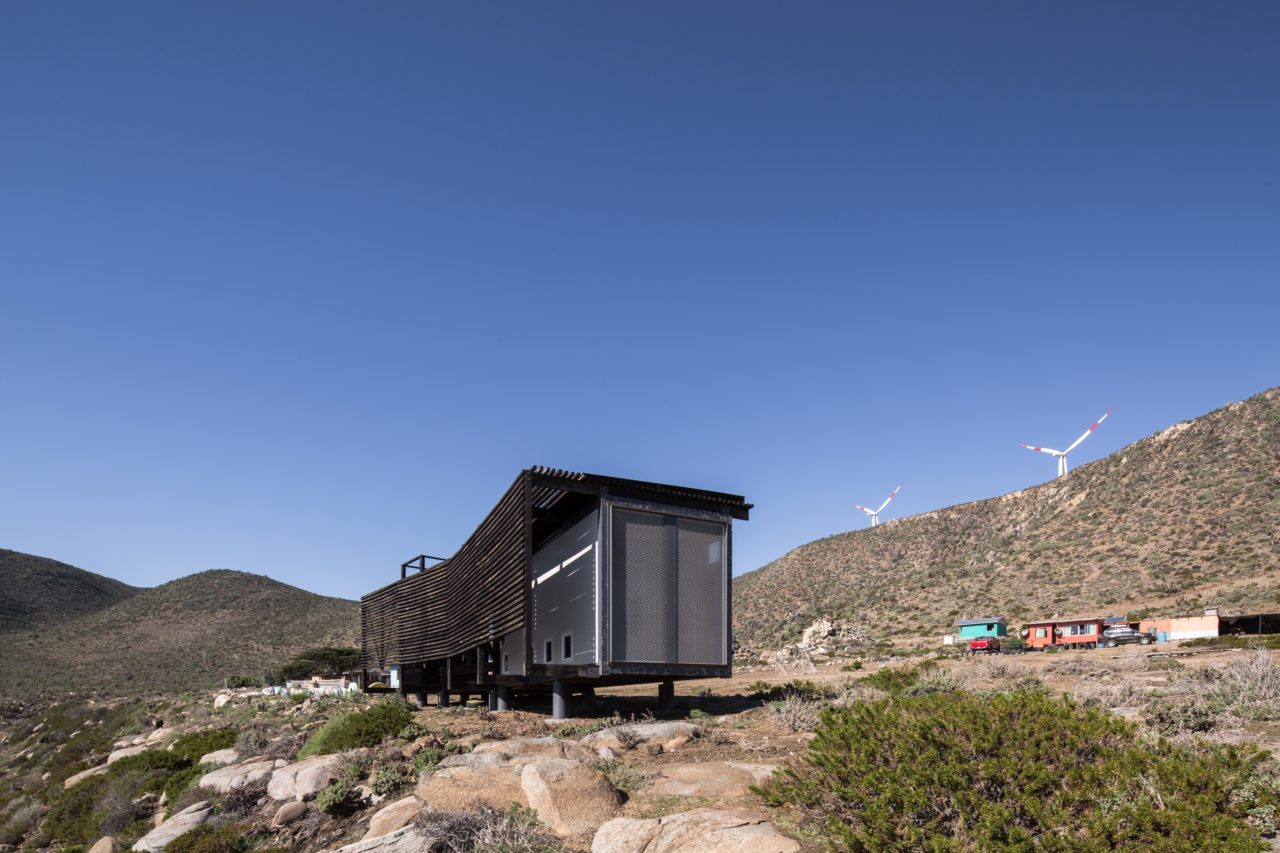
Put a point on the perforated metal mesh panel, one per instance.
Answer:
(701, 590)
(638, 621)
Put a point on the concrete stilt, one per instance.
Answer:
(503, 699)
(421, 698)
(493, 699)
(442, 699)
(559, 700)
(666, 695)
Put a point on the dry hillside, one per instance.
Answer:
(1186, 517)
(37, 590)
(186, 634)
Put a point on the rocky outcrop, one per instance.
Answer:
(220, 757)
(548, 747)
(304, 778)
(569, 797)
(125, 753)
(106, 844)
(697, 831)
(712, 779)
(72, 781)
(224, 780)
(180, 824)
(408, 839)
(289, 812)
(391, 817)
(668, 735)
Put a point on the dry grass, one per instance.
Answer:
(513, 831)
(1248, 688)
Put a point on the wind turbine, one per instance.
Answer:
(875, 513)
(1062, 454)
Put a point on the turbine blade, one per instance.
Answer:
(1050, 451)
(864, 509)
(892, 495)
(1076, 443)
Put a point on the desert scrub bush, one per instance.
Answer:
(1013, 771)
(898, 679)
(339, 798)
(359, 728)
(388, 779)
(1170, 718)
(852, 666)
(1248, 688)
(197, 744)
(994, 669)
(795, 712)
(515, 830)
(625, 777)
(19, 817)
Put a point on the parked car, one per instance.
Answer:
(1118, 635)
(984, 646)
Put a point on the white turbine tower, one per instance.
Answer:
(875, 513)
(1062, 454)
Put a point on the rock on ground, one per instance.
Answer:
(106, 844)
(697, 831)
(391, 817)
(407, 839)
(570, 798)
(224, 780)
(71, 781)
(656, 733)
(549, 746)
(303, 778)
(180, 824)
(125, 753)
(219, 756)
(289, 812)
(712, 779)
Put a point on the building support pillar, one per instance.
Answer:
(502, 699)
(442, 699)
(559, 700)
(666, 695)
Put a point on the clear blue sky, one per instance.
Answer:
(298, 288)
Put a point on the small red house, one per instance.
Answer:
(1073, 633)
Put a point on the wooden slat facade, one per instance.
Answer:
(483, 591)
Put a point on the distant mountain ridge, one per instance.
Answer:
(187, 634)
(1187, 517)
(37, 590)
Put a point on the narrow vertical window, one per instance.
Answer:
(568, 647)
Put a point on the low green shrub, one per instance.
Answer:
(197, 744)
(1015, 771)
(388, 779)
(898, 679)
(359, 728)
(339, 798)
(853, 666)
(1169, 718)
(235, 682)
(209, 838)
(181, 782)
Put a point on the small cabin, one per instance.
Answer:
(987, 626)
(572, 581)
(1063, 632)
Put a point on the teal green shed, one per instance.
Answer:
(987, 626)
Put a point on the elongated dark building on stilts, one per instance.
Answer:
(572, 581)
